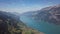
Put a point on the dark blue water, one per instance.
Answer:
(42, 26)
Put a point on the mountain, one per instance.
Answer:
(49, 14)
(10, 23)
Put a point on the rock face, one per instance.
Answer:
(49, 14)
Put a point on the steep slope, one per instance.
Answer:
(11, 24)
(49, 14)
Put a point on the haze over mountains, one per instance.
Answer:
(49, 14)
(10, 23)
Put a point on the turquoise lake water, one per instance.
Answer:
(42, 26)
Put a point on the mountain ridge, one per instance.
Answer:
(11, 24)
(49, 14)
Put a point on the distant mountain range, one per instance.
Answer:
(49, 14)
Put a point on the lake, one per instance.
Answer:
(41, 26)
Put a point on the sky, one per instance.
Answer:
(21, 6)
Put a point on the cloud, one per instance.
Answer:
(21, 9)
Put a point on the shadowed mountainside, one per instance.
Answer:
(11, 24)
